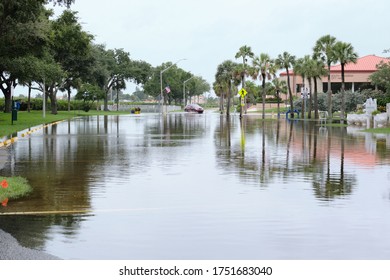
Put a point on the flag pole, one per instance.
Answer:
(161, 89)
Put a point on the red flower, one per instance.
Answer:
(4, 202)
(4, 184)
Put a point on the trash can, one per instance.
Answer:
(14, 114)
(14, 111)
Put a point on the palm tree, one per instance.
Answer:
(323, 50)
(285, 61)
(244, 52)
(344, 53)
(317, 70)
(264, 68)
(301, 67)
(226, 77)
(279, 86)
(308, 98)
(253, 91)
(218, 88)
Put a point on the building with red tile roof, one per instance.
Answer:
(356, 75)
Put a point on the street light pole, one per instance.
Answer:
(184, 90)
(161, 88)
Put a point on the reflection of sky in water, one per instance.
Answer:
(198, 187)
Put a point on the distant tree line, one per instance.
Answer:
(54, 55)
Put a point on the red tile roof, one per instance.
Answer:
(366, 63)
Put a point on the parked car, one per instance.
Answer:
(194, 108)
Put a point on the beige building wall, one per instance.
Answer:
(296, 81)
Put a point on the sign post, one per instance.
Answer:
(242, 94)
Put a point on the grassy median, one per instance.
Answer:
(26, 120)
(13, 188)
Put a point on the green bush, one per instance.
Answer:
(37, 104)
(352, 99)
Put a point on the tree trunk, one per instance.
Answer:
(309, 100)
(315, 96)
(242, 86)
(7, 101)
(106, 101)
(29, 97)
(53, 100)
(221, 102)
(277, 93)
(117, 100)
(342, 94)
(68, 99)
(228, 100)
(7, 94)
(329, 95)
(263, 96)
(290, 93)
(303, 90)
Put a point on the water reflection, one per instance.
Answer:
(285, 150)
(196, 181)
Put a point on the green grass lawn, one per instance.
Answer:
(34, 118)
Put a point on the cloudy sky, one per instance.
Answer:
(207, 32)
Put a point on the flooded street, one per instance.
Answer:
(189, 186)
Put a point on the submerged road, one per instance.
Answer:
(10, 249)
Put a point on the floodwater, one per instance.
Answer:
(189, 186)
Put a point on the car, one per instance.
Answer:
(194, 108)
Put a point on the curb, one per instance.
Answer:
(12, 140)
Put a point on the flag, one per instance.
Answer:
(167, 89)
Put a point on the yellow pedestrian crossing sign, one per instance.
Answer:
(242, 92)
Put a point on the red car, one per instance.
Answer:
(194, 108)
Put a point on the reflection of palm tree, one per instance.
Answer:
(335, 184)
(242, 125)
(277, 131)
(328, 155)
(225, 131)
(315, 144)
(262, 173)
(223, 135)
(289, 143)
(342, 155)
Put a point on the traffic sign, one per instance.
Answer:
(242, 92)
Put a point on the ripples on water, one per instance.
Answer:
(201, 187)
